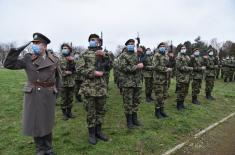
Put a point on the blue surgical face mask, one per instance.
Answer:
(36, 49)
(92, 44)
(196, 53)
(65, 52)
(130, 48)
(211, 53)
(162, 50)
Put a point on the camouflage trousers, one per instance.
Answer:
(148, 85)
(182, 91)
(209, 83)
(196, 86)
(77, 87)
(67, 97)
(95, 108)
(228, 75)
(131, 99)
(160, 93)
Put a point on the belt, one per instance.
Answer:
(43, 84)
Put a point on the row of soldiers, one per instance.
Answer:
(227, 69)
(157, 69)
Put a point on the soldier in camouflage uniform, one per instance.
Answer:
(131, 84)
(160, 61)
(148, 75)
(198, 70)
(78, 79)
(93, 88)
(182, 77)
(229, 69)
(67, 66)
(211, 66)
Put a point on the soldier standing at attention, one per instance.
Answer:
(182, 77)
(198, 71)
(43, 73)
(131, 84)
(160, 62)
(67, 66)
(94, 89)
(211, 66)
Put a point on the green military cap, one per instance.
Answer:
(93, 36)
(128, 41)
(41, 38)
(162, 43)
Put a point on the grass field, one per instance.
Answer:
(70, 137)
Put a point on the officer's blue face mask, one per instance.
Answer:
(162, 50)
(196, 53)
(36, 49)
(92, 44)
(130, 48)
(65, 52)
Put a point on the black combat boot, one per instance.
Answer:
(225, 79)
(150, 96)
(129, 122)
(65, 116)
(207, 95)
(180, 106)
(158, 113)
(163, 112)
(195, 100)
(230, 79)
(92, 137)
(211, 97)
(99, 134)
(79, 98)
(148, 99)
(69, 113)
(135, 119)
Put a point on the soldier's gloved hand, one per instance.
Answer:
(99, 53)
(68, 72)
(99, 73)
(140, 65)
(169, 69)
(203, 68)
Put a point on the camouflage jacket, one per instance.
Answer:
(182, 69)
(197, 63)
(147, 72)
(67, 80)
(131, 74)
(160, 68)
(211, 66)
(87, 65)
(78, 75)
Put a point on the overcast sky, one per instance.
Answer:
(155, 20)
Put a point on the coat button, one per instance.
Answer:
(39, 89)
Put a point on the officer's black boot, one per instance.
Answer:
(207, 95)
(195, 100)
(65, 116)
(129, 122)
(163, 112)
(135, 119)
(69, 113)
(158, 113)
(39, 146)
(48, 144)
(92, 137)
(99, 134)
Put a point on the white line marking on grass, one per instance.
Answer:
(177, 147)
